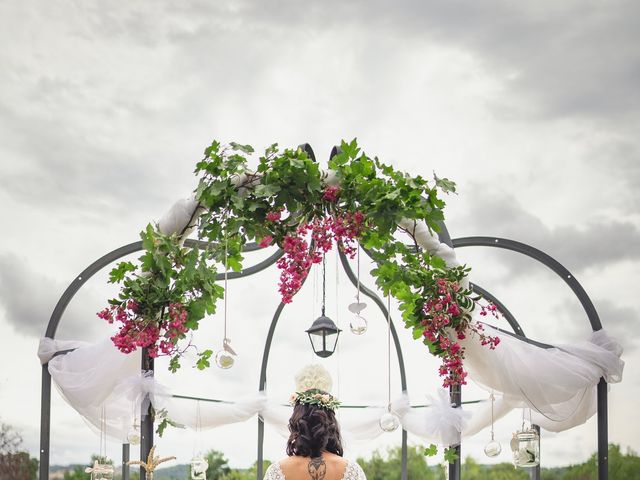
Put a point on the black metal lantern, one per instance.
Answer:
(323, 334)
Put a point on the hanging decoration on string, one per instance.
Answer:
(389, 421)
(225, 357)
(101, 469)
(199, 464)
(134, 435)
(493, 447)
(525, 445)
(358, 323)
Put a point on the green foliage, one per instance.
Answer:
(235, 203)
(218, 465)
(76, 474)
(471, 470)
(387, 467)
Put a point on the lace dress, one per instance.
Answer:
(352, 472)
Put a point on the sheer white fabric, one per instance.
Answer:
(353, 471)
(90, 378)
(558, 384)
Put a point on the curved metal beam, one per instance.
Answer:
(543, 258)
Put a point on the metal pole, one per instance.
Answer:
(146, 424)
(603, 432)
(455, 397)
(125, 460)
(534, 473)
(45, 423)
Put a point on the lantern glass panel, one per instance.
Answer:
(317, 341)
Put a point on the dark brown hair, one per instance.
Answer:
(313, 429)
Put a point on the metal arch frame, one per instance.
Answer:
(455, 394)
(147, 363)
(587, 305)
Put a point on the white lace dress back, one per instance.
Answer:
(352, 472)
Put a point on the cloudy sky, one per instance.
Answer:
(531, 107)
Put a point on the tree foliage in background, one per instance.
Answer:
(15, 464)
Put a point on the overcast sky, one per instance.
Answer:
(531, 107)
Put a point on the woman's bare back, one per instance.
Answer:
(327, 467)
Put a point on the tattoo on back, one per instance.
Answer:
(317, 468)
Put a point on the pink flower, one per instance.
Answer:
(274, 215)
(330, 194)
(266, 241)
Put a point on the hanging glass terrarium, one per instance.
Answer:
(100, 471)
(134, 435)
(525, 445)
(199, 468)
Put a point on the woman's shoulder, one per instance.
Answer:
(274, 472)
(354, 471)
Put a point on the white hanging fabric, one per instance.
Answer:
(90, 377)
(558, 384)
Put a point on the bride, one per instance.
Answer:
(314, 447)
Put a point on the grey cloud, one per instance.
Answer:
(28, 298)
(600, 242)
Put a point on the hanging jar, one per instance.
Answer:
(199, 468)
(525, 446)
(100, 471)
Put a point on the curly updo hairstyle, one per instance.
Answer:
(313, 429)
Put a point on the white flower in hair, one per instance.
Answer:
(313, 376)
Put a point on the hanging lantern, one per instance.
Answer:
(199, 468)
(323, 332)
(100, 471)
(525, 445)
(323, 335)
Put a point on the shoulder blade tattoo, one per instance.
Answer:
(317, 468)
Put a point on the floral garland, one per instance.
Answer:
(290, 202)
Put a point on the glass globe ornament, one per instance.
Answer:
(492, 449)
(358, 325)
(199, 468)
(134, 435)
(389, 421)
(224, 358)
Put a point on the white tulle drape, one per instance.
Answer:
(557, 384)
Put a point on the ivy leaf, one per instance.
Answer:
(450, 454)
(242, 148)
(118, 273)
(266, 190)
(203, 360)
(431, 450)
(444, 184)
(174, 363)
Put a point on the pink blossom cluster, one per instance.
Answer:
(299, 256)
(160, 337)
(442, 316)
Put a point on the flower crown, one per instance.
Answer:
(313, 384)
(317, 397)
